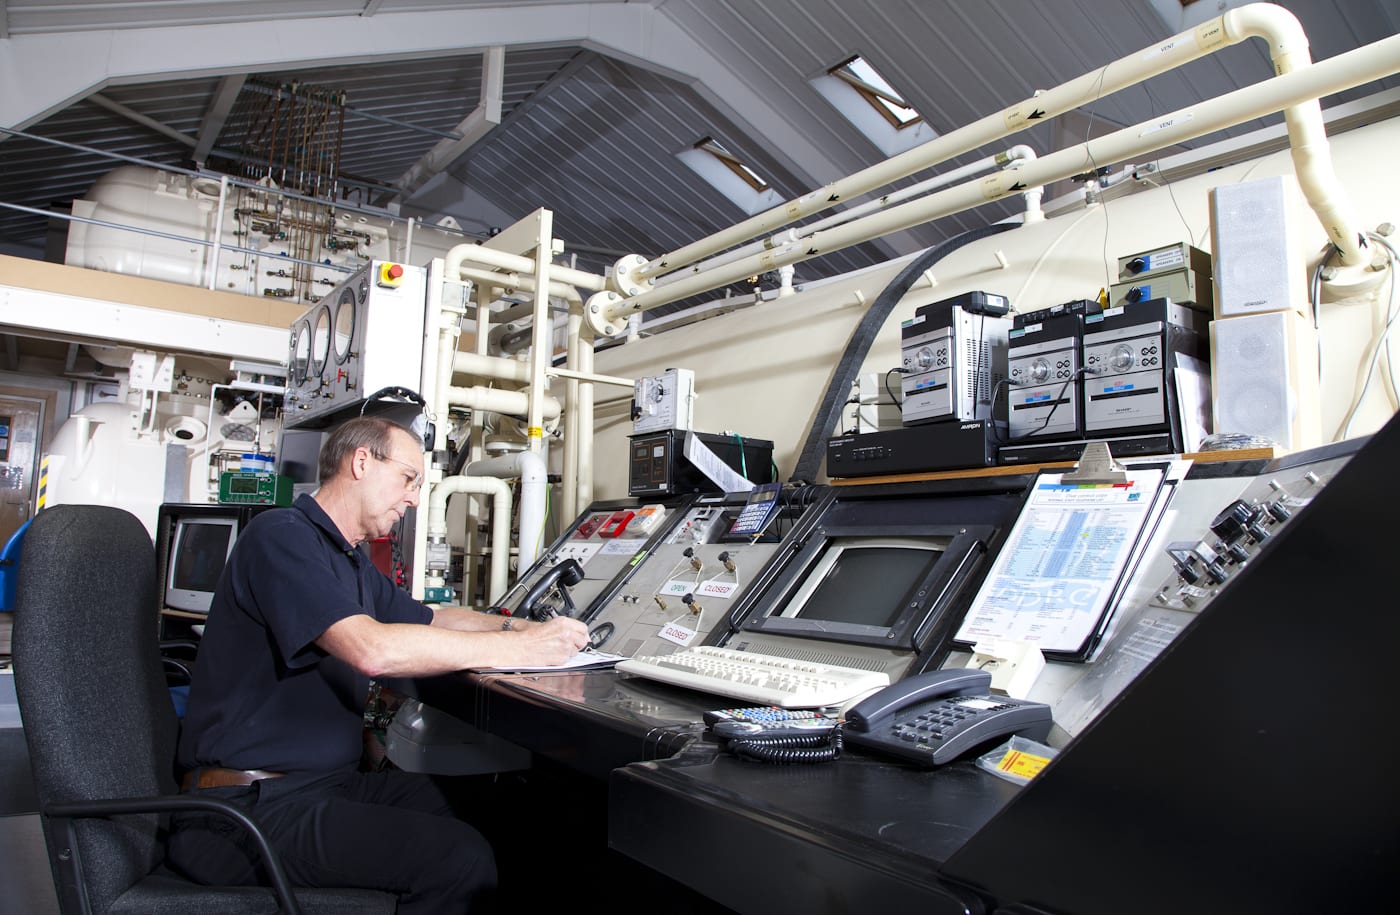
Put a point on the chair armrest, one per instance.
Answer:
(118, 806)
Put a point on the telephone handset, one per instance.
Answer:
(564, 575)
(933, 717)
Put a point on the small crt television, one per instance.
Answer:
(193, 543)
(199, 547)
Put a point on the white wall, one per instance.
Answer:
(762, 371)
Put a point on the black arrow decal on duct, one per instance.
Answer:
(1035, 115)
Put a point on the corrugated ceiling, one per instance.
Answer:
(592, 133)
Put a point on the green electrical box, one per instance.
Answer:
(254, 487)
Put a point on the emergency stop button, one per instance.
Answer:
(391, 275)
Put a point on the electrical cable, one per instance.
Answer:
(833, 402)
(1382, 342)
(803, 748)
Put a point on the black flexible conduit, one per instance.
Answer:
(809, 462)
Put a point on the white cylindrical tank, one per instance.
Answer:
(262, 221)
(96, 458)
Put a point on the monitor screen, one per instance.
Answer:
(863, 581)
(198, 551)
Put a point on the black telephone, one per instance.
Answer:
(933, 717)
(564, 575)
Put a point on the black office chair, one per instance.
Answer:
(101, 728)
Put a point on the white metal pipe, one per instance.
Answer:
(500, 522)
(593, 377)
(568, 492)
(496, 400)
(489, 367)
(1307, 135)
(217, 248)
(449, 329)
(542, 338)
(529, 469)
(1344, 71)
(986, 163)
(504, 260)
(509, 282)
(585, 425)
(1264, 20)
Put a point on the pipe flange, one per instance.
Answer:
(625, 276)
(596, 313)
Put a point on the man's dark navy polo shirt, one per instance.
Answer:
(264, 696)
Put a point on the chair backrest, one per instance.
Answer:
(93, 700)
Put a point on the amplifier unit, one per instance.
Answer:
(953, 360)
(1044, 397)
(1131, 354)
(915, 449)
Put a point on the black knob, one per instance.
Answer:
(1229, 525)
(1135, 265)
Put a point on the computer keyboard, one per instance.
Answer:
(759, 678)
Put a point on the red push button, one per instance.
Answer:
(390, 275)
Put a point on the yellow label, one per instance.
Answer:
(1024, 765)
(536, 432)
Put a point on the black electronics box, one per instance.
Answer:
(657, 465)
(915, 449)
(1122, 446)
(976, 302)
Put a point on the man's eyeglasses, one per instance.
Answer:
(412, 477)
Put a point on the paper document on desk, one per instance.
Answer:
(1063, 567)
(584, 660)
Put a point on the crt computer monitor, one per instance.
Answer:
(862, 585)
(199, 547)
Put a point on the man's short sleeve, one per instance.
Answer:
(293, 580)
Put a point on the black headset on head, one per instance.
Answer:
(423, 426)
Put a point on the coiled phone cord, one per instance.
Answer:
(802, 748)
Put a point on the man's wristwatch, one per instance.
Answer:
(506, 625)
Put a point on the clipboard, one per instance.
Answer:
(1069, 557)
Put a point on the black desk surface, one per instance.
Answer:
(863, 829)
(851, 833)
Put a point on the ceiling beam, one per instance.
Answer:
(216, 115)
(164, 130)
(485, 116)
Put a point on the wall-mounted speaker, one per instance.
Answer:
(1256, 253)
(1264, 378)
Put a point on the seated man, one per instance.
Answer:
(300, 623)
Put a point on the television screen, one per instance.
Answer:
(861, 584)
(864, 583)
(198, 550)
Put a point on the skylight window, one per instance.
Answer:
(877, 91)
(730, 175)
(732, 162)
(873, 105)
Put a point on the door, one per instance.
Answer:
(21, 418)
